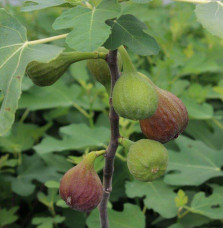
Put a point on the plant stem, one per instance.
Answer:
(46, 40)
(110, 155)
(128, 66)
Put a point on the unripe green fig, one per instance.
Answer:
(46, 74)
(169, 120)
(81, 187)
(133, 96)
(147, 160)
(100, 70)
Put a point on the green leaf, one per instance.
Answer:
(15, 54)
(211, 206)
(141, 1)
(159, 196)
(209, 133)
(130, 217)
(128, 30)
(74, 218)
(52, 184)
(181, 198)
(90, 30)
(210, 15)
(194, 220)
(42, 4)
(120, 175)
(176, 225)
(47, 222)
(194, 164)
(57, 96)
(61, 203)
(48, 199)
(7, 217)
(21, 138)
(32, 168)
(198, 111)
(75, 137)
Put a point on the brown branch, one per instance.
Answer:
(110, 155)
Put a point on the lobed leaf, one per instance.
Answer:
(159, 196)
(129, 31)
(15, 54)
(89, 28)
(194, 164)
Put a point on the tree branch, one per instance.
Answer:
(110, 155)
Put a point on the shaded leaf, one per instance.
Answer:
(32, 168)
(194, 164)
(7, 217)
(211, 206)
(130, 217)
(128, 30)
(159, 196)
(75, 136)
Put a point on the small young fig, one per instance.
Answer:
(46, 74)
(147, 160)
(81, 187)
(100, 70)
(133, 96)
(169, 120)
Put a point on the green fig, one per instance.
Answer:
(81, 187)
(46, 74)
(147, 160)
(169, 120)
(133, 96)
(100, 70)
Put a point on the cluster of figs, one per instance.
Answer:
(162, 117)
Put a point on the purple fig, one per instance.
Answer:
(81, 187)
(169, 120)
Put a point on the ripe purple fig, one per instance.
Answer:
(81, 187)
(169, 120)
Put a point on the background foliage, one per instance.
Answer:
(56, 125)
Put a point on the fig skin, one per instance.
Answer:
(81, 187)
(100, 70)
(133, 96)
(169, 120)
(147, 160)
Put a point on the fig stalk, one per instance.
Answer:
(112, 61)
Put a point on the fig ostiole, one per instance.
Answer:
(147, 160)
(100, 70)
(46, 74)
(81, 187)
(133, 96)
(169, 120)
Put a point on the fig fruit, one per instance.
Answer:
(133, 96)
(100, 70)
(147, 160)
(169, 120)
(46, 74)
(81, 187)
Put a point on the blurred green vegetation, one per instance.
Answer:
(56, 125)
